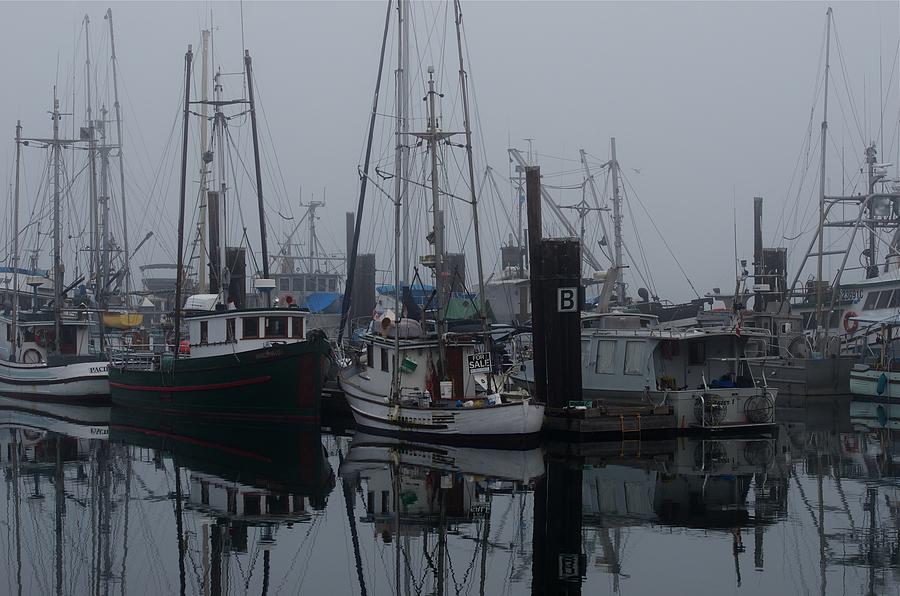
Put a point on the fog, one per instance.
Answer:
(711, 104)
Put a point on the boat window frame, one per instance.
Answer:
(871, 300)
(895, 299)
(884, 298)
(295, 323)
(696, 353)
(385, 360)
(204, 333)
(284, 281)
(633, 371)
(283, 334)
(244, 321)
(611, 370)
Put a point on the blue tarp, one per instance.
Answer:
(323, 302)
(421, 293)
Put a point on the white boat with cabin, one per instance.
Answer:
(703, 373)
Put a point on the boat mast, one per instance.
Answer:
(204, 185)
(15, 250)
(92, 162)
(401, 208)
(364, 179)
(219, 129)
(432, 136)
(57, 242)
(467, 125)
(118, 110)
(259, 191)
(403, 11)
(617, 223)
(103, 205)
(819, 287)
(179, 279)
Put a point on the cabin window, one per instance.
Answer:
(276, 327)
(385, 359)
(204, 333)
(370, 355)
(285, 284)
(8, 330)
(298, 284)
(606, 357)
(895, 299)
(332, 284)
(232, 500)
(310, 284)
(871, 301)
(229, 330)
(204, 493)
(884, 298)
(634, 352)
(696, 352)
(585, 353)
(251, 328)
(297, 327)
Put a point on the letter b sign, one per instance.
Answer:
(567, 299)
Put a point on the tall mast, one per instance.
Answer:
(617, 223)
(204, 132)
(401, 208)
(819, 288)
(92, 162)
(57, 242)
(116, 106)
(402, 173)
(104, 204)
(432, 137)
(179, 279)
(259, 192)
(219, 130)
(467, 124)
(364, 179)
(15, 250)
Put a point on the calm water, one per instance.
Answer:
(134, 505)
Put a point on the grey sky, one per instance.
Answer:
(705, 99)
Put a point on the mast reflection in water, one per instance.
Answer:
(145, 505)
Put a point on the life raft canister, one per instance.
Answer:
(849, 325)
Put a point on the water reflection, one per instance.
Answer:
(149, 505)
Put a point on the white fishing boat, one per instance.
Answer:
(702, 373)
(48, 353)
(416, 377)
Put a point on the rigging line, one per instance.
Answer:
(653, 223)
(847, 87)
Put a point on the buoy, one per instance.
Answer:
(882, 384)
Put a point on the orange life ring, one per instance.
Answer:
(850, 326)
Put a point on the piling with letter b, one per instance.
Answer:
(556, 297)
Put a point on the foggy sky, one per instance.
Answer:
(709, 101)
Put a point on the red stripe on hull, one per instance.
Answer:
(192, 441)
(211, 387)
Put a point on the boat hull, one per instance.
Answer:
(280, 382)
(502, 423)
(866, 382)
(807, 376)
(77, 383)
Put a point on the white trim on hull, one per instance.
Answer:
(505, 420)
(75, 383)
